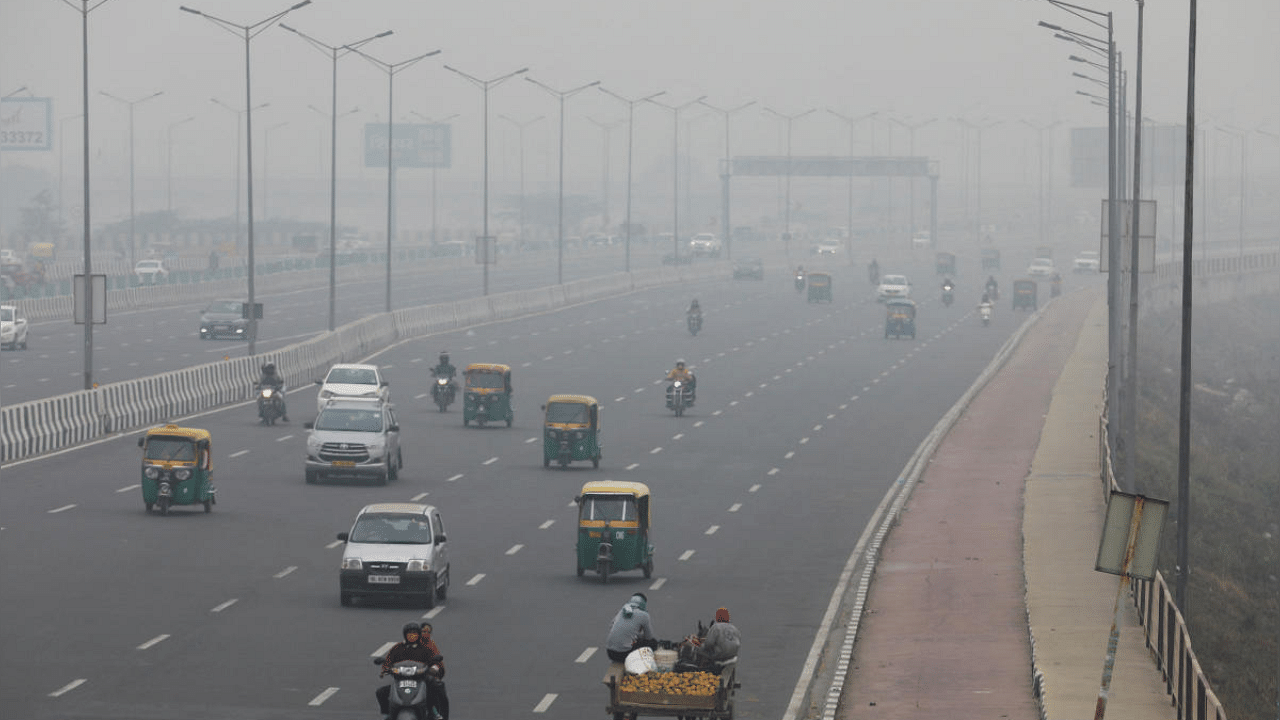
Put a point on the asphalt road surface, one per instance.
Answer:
(805, 417)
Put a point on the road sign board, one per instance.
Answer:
(26, 123)
(418, 145)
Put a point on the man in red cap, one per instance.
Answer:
(721, 642)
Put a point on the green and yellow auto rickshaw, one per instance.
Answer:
(486, 394)
(571, 430)
(613, 528)
(819, 287)
(900, 318)
(990, 259)
(945, 263)
(177, 468)
(1024, 294)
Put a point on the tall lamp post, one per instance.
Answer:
(168, 162)
(239, 142)
(434, 218)
(675, 169)
(852, 122)
(334, 52)
(631, 116)
(62, 146)
(726, 228)
(563, 95)
(248, 32)
(132, 208)
(1040, 171)
(391, 69)
(606, 129)
(520, 126)
(485, 85)
(786, 212)
(911, 184)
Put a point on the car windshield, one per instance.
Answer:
(1041, 262)
(169, 448)
(350, 420)
(895, 280)
(224, 307)
(608, 507)
(352, 376)
(392, 529)
(562, 412)
(6, 314)
(478, 379)
(148, 264)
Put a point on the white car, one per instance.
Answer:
(826, 247)
(151, 271)
(1042, 268)
(1086, 261)
(13, 328)
(705, 245)
(352, 381)
(893, 286)
(395, 550)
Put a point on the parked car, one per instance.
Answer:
(354, 438)
(748, 268)
(395, 549)
(224, 319)
(151, 271)
(352, 381)
(1041, 267)
(893, 286)
(1086, 261)
(13, 328)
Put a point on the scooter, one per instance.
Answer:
(270, 404)
(695, 323)
(984, 311)
(443, 392)
(679, 397)
(413, 689)
(948, 296)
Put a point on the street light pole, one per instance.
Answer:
(606, 129)
(484, 85)
(334, 52)
(520, 126)
(132, 207)
(434, 219)
(631, 117)
(725, 227)
(675, 169)
(563, 95)
(168, 160)
(62, 145)
(248, 32)
(1040, 132)
(391, 69)
(786, 215)
(852, 123)
(911, 184)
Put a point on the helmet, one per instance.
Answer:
(639, 600)
(444, 356)
(680, 364)
(412, 627)
(269, 369)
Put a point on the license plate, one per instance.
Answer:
(408, 683)
(344, 463)
(384, 579)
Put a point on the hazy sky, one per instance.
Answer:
(913, 59)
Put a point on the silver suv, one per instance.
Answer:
(354, 438)
(395, 549)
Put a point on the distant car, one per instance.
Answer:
(151, 271)
(597, 239)
(921, 240)
(748, 269)
(395, 549)
(1086, 261)
(826, 247)
(9, 257)
(224, 319)
(354, 438)
(893, 286)
(352, 381)
(13, 328)
(1041, 268)
(705, 245)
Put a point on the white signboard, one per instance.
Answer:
(26, 123)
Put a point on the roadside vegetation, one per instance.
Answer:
(1233, 607)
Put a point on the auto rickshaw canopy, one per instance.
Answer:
(900, 307)
(819, 278)
(585, 401)
(476, 371)
(177, 449)
(620, 489)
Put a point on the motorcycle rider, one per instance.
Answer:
(270, 378)
(993, 288)
(873, 271)
(444, 368)
(419, 646)
(694, 312)
(685, 375)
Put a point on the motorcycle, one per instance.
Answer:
(414, 688)
(679, 397)
(270, 403)
(948, 296)
(695, 323)
(984, 311)
(799, 282)
(443, 392)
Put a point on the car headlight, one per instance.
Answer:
(376, 448)
(151, 471)
(418, 566)
(182, 474)
(325, 394)
(352, 564)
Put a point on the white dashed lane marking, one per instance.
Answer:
(153, 641)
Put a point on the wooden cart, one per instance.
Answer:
(628, 705)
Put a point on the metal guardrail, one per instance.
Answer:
(41, 426)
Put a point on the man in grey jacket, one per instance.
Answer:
(722, 641)
(632, 628)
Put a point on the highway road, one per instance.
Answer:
(806, 415)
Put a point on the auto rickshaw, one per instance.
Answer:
(486, 394)
(1024, 294)
(177, 468)
(819, 287)
(613, 528)
(945, 263)
(900, 318)
(990, 259)
(571, 430)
